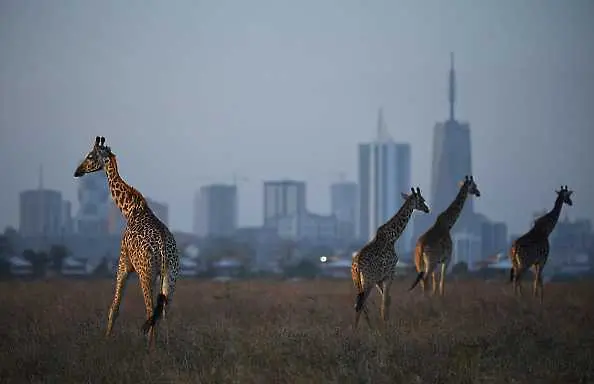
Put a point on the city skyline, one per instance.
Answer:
(249, 89)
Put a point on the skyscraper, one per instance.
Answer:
(283, 198)
(451, 162)
(384, 172)
(343, 199)
(451, 154)
(215, 210)
(41, 212)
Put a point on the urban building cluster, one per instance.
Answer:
(290, 231)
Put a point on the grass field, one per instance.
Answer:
(274, 332)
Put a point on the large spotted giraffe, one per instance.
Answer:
(434, 247)
(147, 245)
(375, 263)
(532, 248)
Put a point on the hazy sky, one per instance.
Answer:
(189, 92)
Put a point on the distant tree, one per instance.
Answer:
(460, 269)
(305, 268)
(57, 254)
(4, 267)
(287, 254)
(38, 261)
(318, 251)
(102, 269)
(6, 247)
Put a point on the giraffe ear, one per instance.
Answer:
(404, 195)
(569, 193)
(461, 183)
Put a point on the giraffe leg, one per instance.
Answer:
(146, 284)
(124, 269)
(535, 284)
(538, 284)
(164, 315)
(433, 284)
(429, 269)
(517, 282)
(360, 305)
(168, 289)
(444, 268)
(422, 283)
(385, 309)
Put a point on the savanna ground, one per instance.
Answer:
(283, 332)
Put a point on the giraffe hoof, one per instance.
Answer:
(146, 327)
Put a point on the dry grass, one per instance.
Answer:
(272, 332)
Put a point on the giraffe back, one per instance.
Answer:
(149, 243)
(373, 263)
(529, 249)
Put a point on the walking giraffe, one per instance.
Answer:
(375, 263)
(532, 248)
(434, 247)
(147, 246)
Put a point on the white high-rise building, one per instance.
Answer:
(384, 172)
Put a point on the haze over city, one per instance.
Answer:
(190, 93)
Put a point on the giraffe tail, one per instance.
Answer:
(418, 264)
(157, 312)
(419, 277)
(511, 258)
(161, 298)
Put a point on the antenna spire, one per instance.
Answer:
(40, 180)
(382, 130)
(452, 87)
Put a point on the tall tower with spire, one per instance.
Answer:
(451, 162)
(452, 88)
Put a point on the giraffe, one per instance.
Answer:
(532, 248)
(375, 263)
(147, 246)
(434, 247)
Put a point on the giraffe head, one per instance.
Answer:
(564, 194)
(469, 183)
(417, 199)
(95, 159)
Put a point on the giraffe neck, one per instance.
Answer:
(127, 199)
(545, 224)
(448, 218)
(394, 227)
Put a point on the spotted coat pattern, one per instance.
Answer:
(531, 250)
(375, 263)
(147, 246)
(434, 247)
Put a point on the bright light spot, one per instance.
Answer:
(323, 259)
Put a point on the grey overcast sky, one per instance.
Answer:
(189, 92)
